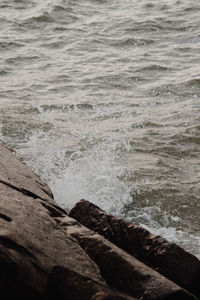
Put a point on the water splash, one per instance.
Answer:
(93, 174)
(166, 225)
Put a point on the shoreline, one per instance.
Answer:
(88, 254)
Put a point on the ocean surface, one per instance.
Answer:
(102, 99)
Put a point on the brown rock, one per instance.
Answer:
(31, 240)
(66, 284)
(121, 270)
(167, 258)
(18, 176)
(46, 255)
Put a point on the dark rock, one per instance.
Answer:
(66, 284)
(167, 258)
(121, 270)
(46, 255)
(31, 240)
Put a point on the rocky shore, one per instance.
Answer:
(88, 254)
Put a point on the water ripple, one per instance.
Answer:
(104, 96)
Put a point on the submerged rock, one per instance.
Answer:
(47, 255)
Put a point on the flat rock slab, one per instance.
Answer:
(167, 258)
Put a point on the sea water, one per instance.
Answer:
(101, 99)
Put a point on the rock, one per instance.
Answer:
(121, 270)
(31, 241)
(66, 284)
(18, 176)
(47, 255)
(167, 258)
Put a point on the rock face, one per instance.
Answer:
(47, 255)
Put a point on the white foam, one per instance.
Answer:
(188, 241)
(92, 174)
(165, 225)
(93, 177)
(80, 161)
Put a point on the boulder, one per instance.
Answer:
(167, 258)
(121, 270)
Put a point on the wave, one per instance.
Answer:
(145, 26)
(146, 124)
(132, 42)
(68, 107)
(186, 139)
(181, 88)
(193, 82)
(43, 18)
(61, 8)
(10, 45)
(192, 9)
(3, 72)
(21, 59)
(155, 68)
(88, 173)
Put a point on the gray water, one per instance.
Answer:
(101, 99)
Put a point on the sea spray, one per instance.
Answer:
(93, 174)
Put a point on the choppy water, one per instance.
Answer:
(101, 99)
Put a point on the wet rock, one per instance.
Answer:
(167, 258)
(121, 270)
(47, 255)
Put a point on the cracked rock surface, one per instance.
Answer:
(46, 254)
